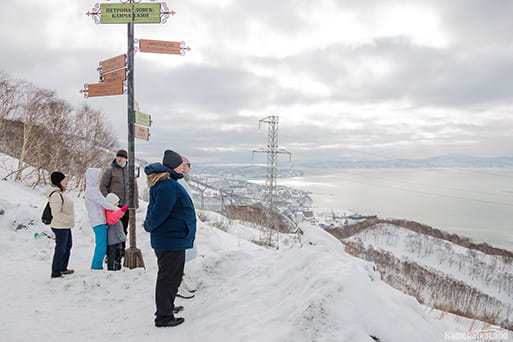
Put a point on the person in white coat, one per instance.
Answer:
(188, 285)
(96, 205)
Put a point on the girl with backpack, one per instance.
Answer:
(63, 219)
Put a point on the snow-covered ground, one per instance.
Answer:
(490, 274)
(308, 292)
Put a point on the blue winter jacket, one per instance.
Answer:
(170, 217)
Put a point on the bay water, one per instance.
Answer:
(477, 203)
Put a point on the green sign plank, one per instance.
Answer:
(142, 119)
(122, 13)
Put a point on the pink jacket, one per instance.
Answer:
(114, 216)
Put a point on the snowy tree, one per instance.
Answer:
(34, 107)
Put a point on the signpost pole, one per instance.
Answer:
(133, 255)
(112, 81)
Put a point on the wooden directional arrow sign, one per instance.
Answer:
(161, 46)
(142, 132)
(143, 119)
(105, 89)
(122, 13)
(113, 63)
(118, 75)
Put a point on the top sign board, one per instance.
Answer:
(122, 13)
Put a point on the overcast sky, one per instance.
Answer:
(362, 79)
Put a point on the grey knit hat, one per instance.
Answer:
(172, 159)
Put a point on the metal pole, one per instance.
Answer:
(131, 134)
(133, 256)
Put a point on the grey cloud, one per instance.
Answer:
(478, 24)
(235, 20)
(426, 76)
(210, 88)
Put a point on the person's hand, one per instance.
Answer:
(124, 208)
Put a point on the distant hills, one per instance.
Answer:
(452, 160)
(286, 170)
(245, 171)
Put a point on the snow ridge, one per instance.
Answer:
(438, 272)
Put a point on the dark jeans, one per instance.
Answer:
(114, 254)
(169, 277)
(63, 243)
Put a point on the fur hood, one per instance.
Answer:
(156, 172)
(154, 178)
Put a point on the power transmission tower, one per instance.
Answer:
(272, 238)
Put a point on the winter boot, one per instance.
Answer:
(169, 322)
(189, 284)
(183, 293)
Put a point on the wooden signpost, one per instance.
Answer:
(143, 119)
(105, 89)
(113, 76)
(122, 13)
(113, 63)
(119, 70)
(160, 46)
(142, 132)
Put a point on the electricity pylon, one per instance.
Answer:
(272, 238)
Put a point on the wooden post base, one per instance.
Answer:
(133, 258)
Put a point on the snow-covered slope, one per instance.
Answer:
(313, 292)
(492, 274)
(437, 271)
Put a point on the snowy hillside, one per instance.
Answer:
(309, 292)
(438, 272)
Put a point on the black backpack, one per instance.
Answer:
(47, 216)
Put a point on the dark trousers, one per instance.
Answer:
(63, 243)
(114, 255)
(169, 277)
(124, 221)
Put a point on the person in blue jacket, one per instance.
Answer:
(171, 222)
